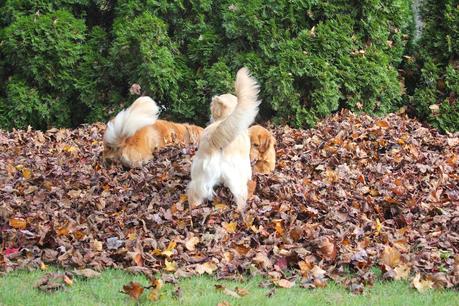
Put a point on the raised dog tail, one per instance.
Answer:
(141, 113)
(244, 114)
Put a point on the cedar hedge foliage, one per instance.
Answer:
(67, 62)
(435, 93)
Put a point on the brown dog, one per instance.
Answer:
(262, 152)
(135, 133)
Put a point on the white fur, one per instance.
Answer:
(224, 151)
(141, 113)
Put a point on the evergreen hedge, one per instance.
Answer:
(436, 86)
(67, 62)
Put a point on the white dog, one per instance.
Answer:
(223, 155)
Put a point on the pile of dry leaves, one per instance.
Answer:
(354, 193)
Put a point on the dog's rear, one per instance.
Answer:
(141, 114)
(223, 154)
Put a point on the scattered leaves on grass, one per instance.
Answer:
(54, 281)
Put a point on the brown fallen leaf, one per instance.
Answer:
(230, 227)
(402, 271)
(327, 249)
(223, 303)
(284, 283)
(227, 291)
(170, 266)
(190, 244)
(241, 291)
(390, 257)
(208, 267)
(18, 223)
(86, 273)
(422, 285)
(156, 285)
(133, 289)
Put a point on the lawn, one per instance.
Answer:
(16, 288)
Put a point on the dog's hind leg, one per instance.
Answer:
(240, 193)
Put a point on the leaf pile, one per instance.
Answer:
(354, 193)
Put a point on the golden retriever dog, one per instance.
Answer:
(262, 152)
(223, 155)
(135, 133)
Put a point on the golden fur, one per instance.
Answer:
(136, 148)
(262, 152)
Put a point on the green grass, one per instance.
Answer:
(17, 289)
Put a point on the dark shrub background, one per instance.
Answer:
(63, 63)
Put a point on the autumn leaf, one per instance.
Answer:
(229, 227)
(190, 244)
(43, 267)
(133, 289)
(26, 173)
(170, 249)
(278, 227)
(18, 223)
(70, 149)
(227, 291)
(170, 266)
(96, 245)
(402, 271)
(208, 267)
(378, 227)
(390, 257)
(86, 273)
(284, 283)
(382, 124)
(421, 285)
(156, 285)
(68, 281)
(262, 260)
(241, 291)
(327, 249)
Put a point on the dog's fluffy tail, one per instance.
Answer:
(141, 113)
(243, 115)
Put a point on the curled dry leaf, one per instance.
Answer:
(18, 223)
(133, 289)
(156, 285)
(402, 271)
(284, 283)
(390, 257)
(190, 244)
(230, 227)
(208, 267)
(241, 291)
(170, 266)
(422, 285)
(86, 273)
(227, 291)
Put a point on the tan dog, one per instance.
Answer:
(135, 133)
(223, 155)
(262, 152)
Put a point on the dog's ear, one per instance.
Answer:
(216, 108)
(266, 141)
